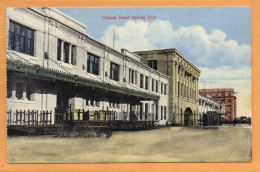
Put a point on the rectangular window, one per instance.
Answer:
(29, 92)
(146, 82)
(132, 76)
(59, 45)
(93, 64)
(161, 88)
(156, 112)
(66, 52)
(165, 89)
(73, 55)
(146, 110)
(114, 71)
(152, 64)
(21, 38)
(161, 112)
(130, 73)
(165, 112)
(141, 111)
(9, 89)
(19, 90)
(141, 81)
(135, 77)
(156, 87)
(152, 84)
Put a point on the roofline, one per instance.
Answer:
(153, 70)
(98, 42)
(169, 50)
(65, 15)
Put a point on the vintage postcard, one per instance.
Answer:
(139, 84)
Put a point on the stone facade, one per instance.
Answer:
(183, 87)
(58, 44)
(226, 96)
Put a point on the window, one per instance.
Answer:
(93, 64)
(66, 52)
(156, 87)
(161, 88)
(73, 55)
(161, 112)
(21, 38)
(146, 82)
(132, 76)
(9, 88)
(152, 84)
(156, 112)
(165, 89)
(19, 91)
(135, 77)
(146, 110)
(141, 111)
(29, 92)
(114, 71)
(59, 50)
(165, 112)
(141, 81)
(130, 73)
(152, 64)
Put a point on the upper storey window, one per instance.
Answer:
(132, 76)
(114, 71)
(152, 64)
(66, 52)
(93, 64)
(21, 38)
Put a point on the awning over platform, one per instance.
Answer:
(42, 72)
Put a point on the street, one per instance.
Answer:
(171, 144)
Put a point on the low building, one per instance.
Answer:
(207, 104)
(52, 63)
(226, 96)
(183, 84)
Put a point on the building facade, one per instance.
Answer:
(226, 96)
(53, 63)
(183, 84)
(207, 104)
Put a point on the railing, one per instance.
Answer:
(29, 117)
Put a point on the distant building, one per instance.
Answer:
(183, 84)
(207, 104)
(226, 96)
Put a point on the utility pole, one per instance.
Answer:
(113, 38)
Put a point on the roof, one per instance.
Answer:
(43, 72)
(170, 50)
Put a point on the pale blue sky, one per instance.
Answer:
(234, 21)
(216, 39)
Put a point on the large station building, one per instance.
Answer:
(53, 63)
(183, 84)
(226, 96)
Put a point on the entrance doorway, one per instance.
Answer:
(188, 117)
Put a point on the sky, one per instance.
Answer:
(216, 39)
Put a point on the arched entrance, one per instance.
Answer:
(188, 117)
